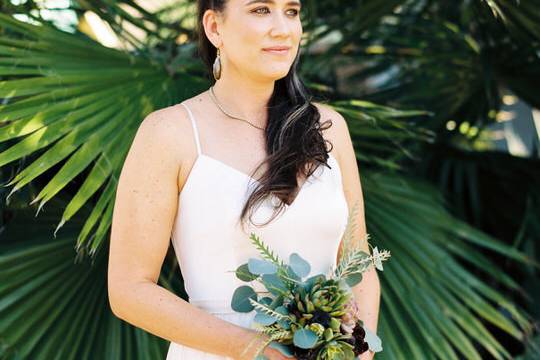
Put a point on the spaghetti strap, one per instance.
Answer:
(210, 204)
(195, 131)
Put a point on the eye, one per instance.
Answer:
(261, 8)
(257, 11)
(295, 12)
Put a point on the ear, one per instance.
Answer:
(211, 21)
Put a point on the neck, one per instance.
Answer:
(244, 98)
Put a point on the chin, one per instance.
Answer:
(277, 73)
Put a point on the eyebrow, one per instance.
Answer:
(297, 3)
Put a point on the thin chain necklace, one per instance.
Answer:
(215, 100)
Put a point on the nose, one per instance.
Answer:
(280, 25)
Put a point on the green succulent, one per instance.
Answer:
(317, 329)
(336, 350)
(321, 303)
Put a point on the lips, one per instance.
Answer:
(277, 48)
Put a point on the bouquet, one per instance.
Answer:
(312, 319)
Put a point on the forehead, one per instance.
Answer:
(277, 2)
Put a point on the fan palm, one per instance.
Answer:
(72, 107)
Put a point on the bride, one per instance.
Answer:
(249, 154)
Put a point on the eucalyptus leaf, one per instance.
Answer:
(286, 324)
(353, 279)
(290, 273)
(274, 284)
(278, 300)
(373, 340)
(282, 310)
(264, 319)
(240, 300)
(243, 273)
(284, 349)
(266, 300)
(300, 266)
(343, 285)
(305, 338)
(261, 267)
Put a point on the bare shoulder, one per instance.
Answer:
(146, 202)
(327, 112)
(338, 133)
(170, 129)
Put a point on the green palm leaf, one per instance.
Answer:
(520, 17)
(54, 308)
(427, 288)
(81, 106)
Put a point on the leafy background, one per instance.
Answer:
(423, 85)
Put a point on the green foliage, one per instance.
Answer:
(305, 338)
(241, 299)
(71, 108)
(53, 307)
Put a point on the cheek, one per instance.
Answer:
(298, 31)
(248, 36)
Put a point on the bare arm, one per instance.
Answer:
(143, 217)
(368, 292)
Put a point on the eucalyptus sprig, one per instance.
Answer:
(310, 319)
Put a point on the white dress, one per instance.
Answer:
(210, 244)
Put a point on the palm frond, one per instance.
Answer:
(80, 105)
(426, 287)
(54, 308)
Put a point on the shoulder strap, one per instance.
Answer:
(195, 131)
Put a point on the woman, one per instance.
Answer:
(186, 176)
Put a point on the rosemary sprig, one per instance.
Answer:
(265, 251)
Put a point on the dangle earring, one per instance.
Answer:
(217, 66)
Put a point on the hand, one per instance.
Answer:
(274, 354)
(269, 352)
(367, 355)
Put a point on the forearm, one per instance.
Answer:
(158, 311)
(367, 295)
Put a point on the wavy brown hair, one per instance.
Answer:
(293, 133)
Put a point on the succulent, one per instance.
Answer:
(319, 307)
(332, 350)
(319, 302)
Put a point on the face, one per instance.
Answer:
(248, 27)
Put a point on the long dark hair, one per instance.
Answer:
(294, 141)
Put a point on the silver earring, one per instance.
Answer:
(217, 66)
